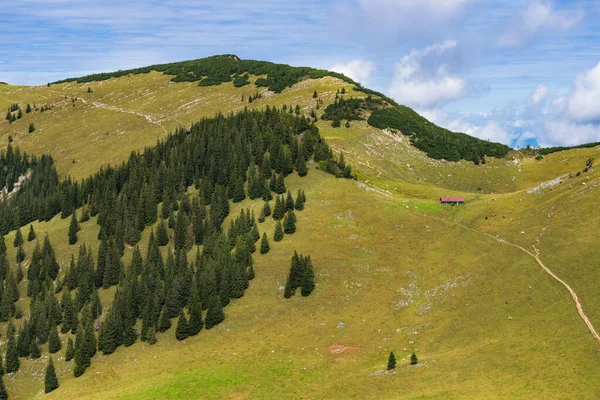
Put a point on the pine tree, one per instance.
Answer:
(289, 223)
(50, 381)
(196, 323)
(181, 331)
(315, 95)
(54, 344)
(391, 364)
(264, 244)
(278, 235)
(238, 192)
(2, 371)
(28, 108)
(31, 236)
(413, 359)
(18, 238)
(70, 350)
(162, 235)
(31, 127)
(34, 350)
(279, 210)
(69, 322)
(73, 228)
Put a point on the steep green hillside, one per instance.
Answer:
(394, 270)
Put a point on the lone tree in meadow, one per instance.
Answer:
(391, 364)
(264, 244)
(413, 359)
(51, 381)
(31, 127)
(315, 95)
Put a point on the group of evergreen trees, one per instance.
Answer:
(13, 164)
(249, 153)
(301, 276)
(225, 158)
(391, 364)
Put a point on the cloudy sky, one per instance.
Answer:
(516, 71)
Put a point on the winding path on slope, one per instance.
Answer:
(536, 256)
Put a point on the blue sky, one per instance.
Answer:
(516, 71)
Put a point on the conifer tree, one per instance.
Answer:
(54, 344)
(289, 223)
(289, 201)
(31, 127)
(301, 165)
(308, 277)
(31, 236)
(70, 350)
(280, 185)
(2, 371)
(181, 331)
(196, 323)
(279, 210)
(20, 254)
(164, 322)
(18, 238)
(299, 205)
(50, 381)
(85, 215)
(278, 235)
(73, 228)
(69, 322)
(12, 356)
(264, 244)
(267, 209)
(391, 364)
(162, 235)
(3, 392)
(315, 95)
(214, 315)
(261, 217)
(273, 182)
(413, 359)
(34, 350)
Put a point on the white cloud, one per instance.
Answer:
(358, 70)
(583, 103)
(539, 17)
(567, 133)
(424, 77)
(392, 20)
(539, 93)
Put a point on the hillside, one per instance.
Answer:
(394, 271)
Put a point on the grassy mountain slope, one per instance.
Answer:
(395, 271)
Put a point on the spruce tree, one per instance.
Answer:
(299, 205)
(278, 235)
(264, 244)
(18, 238)
(289, 201)
(301, 165)
(54, 344)
(280, 185)
(196, 322)
(12, 356)
(50, 381)
(181, 331)
(413, 359)
(2, 371)
(214, 315)
(70, 350)
(279, 210)
(34, 350)
(391, 364)
(73, 228)
(31, 236)
(267, 209)
(20, 254)
(85, 215)
(238, 190)
(164, 322)
(289, 223)
(308, 277)
(31, 127)
(162, 235)
(3, 392)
